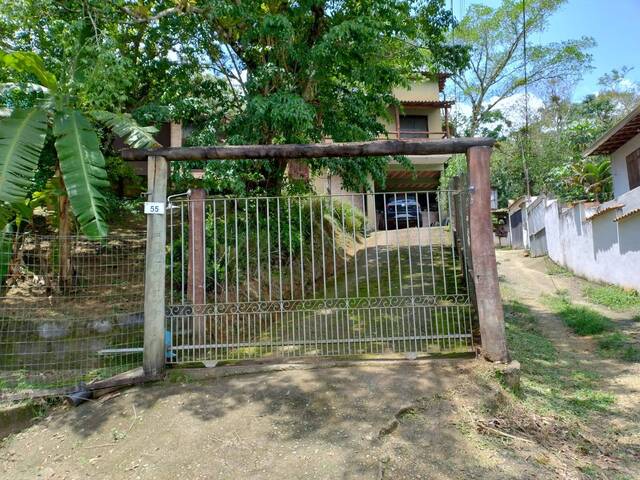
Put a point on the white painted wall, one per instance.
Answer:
(599, 249)
(619, 166)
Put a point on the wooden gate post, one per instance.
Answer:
(153, 359)
(196, 265)
(485, 270)
(195, 280)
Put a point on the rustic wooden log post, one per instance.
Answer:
(154, 285)
(485, 270)
(196, 269)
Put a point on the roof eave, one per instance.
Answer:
(594, 149)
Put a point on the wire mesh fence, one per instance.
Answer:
(71, 309)
(316, 275)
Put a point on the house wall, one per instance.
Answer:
(599, 249)
(418, 91)
(619, 165)
(332, 185)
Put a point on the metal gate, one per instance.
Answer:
(339, 275)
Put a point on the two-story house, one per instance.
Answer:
(423, 112)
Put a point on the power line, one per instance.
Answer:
(526, 101)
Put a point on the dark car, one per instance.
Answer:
(402, 213)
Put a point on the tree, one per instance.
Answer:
(80, 160)
(558, 135)
(305, 71)
(496, 36)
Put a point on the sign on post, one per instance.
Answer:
(154, 208)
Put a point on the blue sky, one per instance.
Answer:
(614, 24)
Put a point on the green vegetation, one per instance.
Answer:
(496, 53)
(557, 270)
(80, 162)
(619, 346)
(613, 297)
(550, 381)
(582, 320)
(585, 321)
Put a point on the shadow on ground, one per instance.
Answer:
(323, 423)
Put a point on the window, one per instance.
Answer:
(414, 126)
(633, 169)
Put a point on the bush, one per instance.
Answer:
(259, 245)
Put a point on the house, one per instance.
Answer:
(601, 241)
(622, 142)
(423, 112)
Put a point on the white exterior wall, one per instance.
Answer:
(619, 166)
(599, 249)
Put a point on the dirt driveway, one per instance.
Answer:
(325, 424)
(434, 419)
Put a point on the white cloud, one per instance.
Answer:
(515, 106)
(512, 107)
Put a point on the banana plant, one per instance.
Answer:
(594, 177)
(80, 160)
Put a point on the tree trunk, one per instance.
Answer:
(65, 267)
(474, 123)
(275, 180)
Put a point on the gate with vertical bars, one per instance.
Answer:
(333, 275)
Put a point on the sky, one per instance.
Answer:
(614, 24)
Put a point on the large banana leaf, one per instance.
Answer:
(29, 62)
(83, 170)
(22, 138)
(128, 129)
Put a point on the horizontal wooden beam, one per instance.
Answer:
(376, 148)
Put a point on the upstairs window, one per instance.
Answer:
(414, 126)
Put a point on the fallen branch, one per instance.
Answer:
(501, 433)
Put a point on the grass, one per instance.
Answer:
(550, 383)
(613, 297)
(585, 321)
(557, 270)
(582, 320)
(619, 346)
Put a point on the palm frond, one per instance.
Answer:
(128, 129)
(22, 137)
(83, 170)
(29, 62)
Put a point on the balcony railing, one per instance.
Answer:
(415, 134)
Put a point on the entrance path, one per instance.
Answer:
(526, 279)
(400, 420)
(429, 419)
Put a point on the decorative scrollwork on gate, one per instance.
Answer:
(317, 305)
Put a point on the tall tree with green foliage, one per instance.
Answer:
(305, 71)
(496, 36)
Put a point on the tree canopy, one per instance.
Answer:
(497, 67)
(247, 72)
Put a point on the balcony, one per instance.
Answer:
(420, 119)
